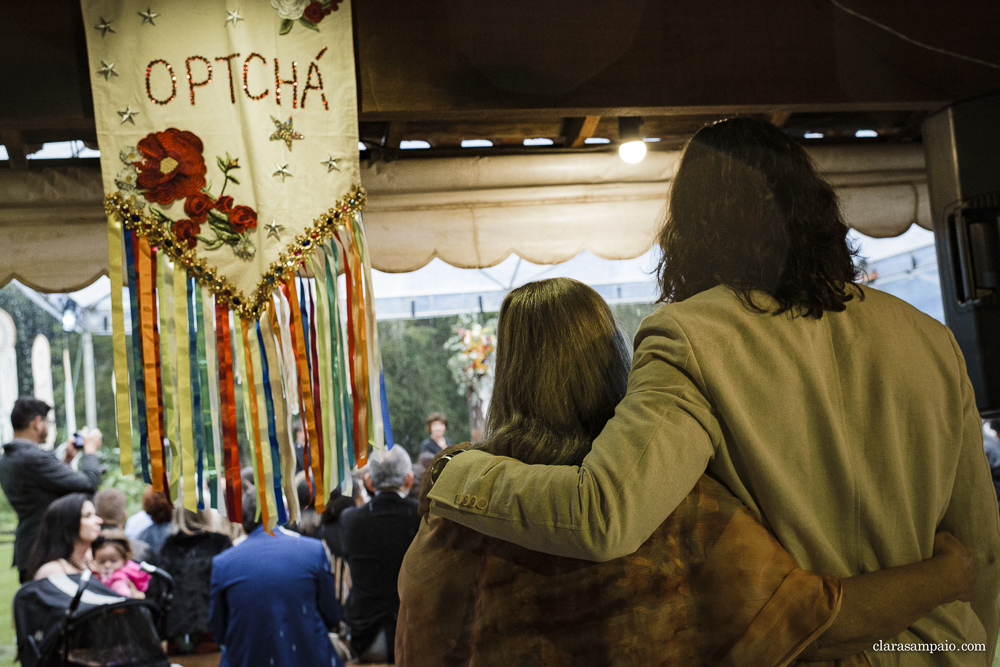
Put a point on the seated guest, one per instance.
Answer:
(68, 529)
(329, 519)
(115, 567)
(187, 555)
(308, 522)
(711, 586)
(373, 540)
(157, 506)
(110, 505)
(273, 598)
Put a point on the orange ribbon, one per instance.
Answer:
(227, 400)
(305, 388)
(145, 270)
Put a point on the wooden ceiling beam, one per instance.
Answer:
(577, 130)
(17, 158)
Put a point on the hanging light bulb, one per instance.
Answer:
(632, 148)
(632, 152)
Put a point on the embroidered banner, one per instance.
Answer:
(228, 136)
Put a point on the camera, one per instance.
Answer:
(78, 439)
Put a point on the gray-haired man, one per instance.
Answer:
(374, 538)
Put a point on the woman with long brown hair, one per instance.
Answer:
(711, 586)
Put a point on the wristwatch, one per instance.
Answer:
(438, 466)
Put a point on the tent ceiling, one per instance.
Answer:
(447, 70)
(442, 71)
(470, 212)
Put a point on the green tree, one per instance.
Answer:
(418, 380)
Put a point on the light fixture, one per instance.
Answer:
(861, 134)
(69, 316)
(813, 135)
(632, 148)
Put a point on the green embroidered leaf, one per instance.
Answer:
(233, 179)
(218, 217)
(205, 239)
(223, 164)
(159, 215)
(286, 26)
(214, 245)
(309, 24)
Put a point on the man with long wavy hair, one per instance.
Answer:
(840, 416)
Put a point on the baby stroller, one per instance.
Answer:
(74, 620)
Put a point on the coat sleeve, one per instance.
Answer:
(972, 514)
(218, 609)
(644, 462)
(327, 602)
(60, 479)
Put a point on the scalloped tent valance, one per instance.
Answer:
(470, 212)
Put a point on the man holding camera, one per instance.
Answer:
(32, 478)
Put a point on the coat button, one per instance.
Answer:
(481, 503)
(472, 501)
(458, 499)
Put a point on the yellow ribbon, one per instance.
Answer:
(208, 316)
(183, 408)
(282, 423)
(325, 372)
(168, 360)
(119, 346)
(377, 430)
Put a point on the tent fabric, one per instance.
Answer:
(469, 212)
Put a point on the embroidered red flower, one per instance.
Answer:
(224, 204)
(242, 218)
(187, 231)
(172, 166)
(332, 7)
(197, 206)
(314, 12)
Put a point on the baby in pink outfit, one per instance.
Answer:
(112, 553)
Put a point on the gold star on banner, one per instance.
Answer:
(107, 69)
(282, 171)
(104, 27)
(331, 164)
(233, 16)
(127, 114)
(148, 16)
(274, 229)
(285, 132)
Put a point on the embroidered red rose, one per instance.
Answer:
(187, 231)
(242, 218)
(172, 166)
(333, 6)
(224, 204)
(314, 12)
(197, 206)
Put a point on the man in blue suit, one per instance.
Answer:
(273, 599)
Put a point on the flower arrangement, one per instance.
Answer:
(473, 345)
(169, 166)
(471, 365)
(305, 12)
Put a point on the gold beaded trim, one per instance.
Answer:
(160, 235)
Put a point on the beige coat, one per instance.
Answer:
(854, 438)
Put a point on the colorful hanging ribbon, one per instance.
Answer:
(124, 423)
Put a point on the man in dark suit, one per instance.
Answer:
(374, 538)
(32, 478)
(273, 598)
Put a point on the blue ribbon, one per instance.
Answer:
(272, 432)
(206, 408)
(385, 411)
(198, 424)
(140, 382)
